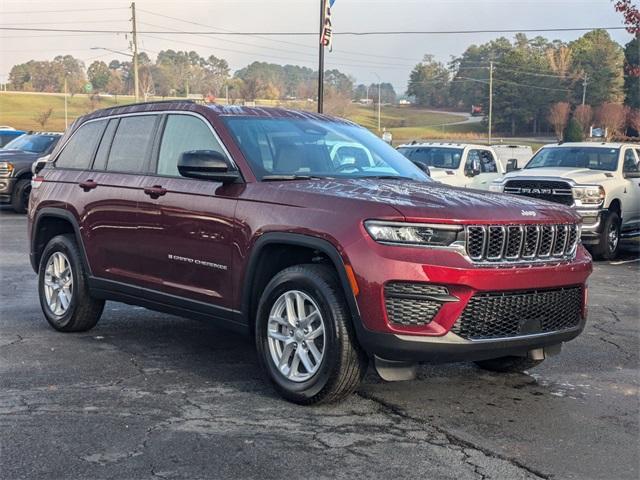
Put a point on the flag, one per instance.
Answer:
(326, 39)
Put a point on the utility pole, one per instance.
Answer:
(584, 88)
(226, 91)
(379, 98)
(321, 58)
(66, 121)
(490, 98)
(134, 34)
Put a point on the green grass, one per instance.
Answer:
(20, 109)
(406, 123)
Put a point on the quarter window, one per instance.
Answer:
(183, 133)
(79, 150)
(630, 162)
(131, 143)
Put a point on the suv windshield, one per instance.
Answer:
(301, 147)
(32, 143)
(595, 158)
(436, 157)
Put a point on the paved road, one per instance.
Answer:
(147, 395)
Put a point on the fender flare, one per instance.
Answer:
(53, 212)
(300, 240)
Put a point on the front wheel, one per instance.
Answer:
(609, 241)
(305, 340)
(20, 197)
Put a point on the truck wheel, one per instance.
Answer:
(508, 364)
(305, 340)
(62, 286)
(609, 243)
(20, 197)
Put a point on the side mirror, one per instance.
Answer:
(512, 165)
(473, 169)
(631, 174)
(422, 166)
(207, 165)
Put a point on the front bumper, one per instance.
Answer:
(6, 189)
(377, 266)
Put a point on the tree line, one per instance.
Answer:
(531, 76)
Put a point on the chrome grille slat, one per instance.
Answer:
(509, 244)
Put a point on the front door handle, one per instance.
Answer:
(88, 185)
(155, 191)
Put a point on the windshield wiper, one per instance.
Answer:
(389, 177)
(280, 178)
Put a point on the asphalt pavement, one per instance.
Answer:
(148, 395)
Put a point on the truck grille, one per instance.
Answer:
(500, 315)
(4, 172)
(413, 304)
(557, 192)
(490, 244)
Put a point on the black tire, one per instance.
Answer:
(344, 363)
(20, 196)
(607, 249)
(83, 311)
(508, 364)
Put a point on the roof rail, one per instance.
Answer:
(150, 102)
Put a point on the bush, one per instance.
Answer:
(573, 132)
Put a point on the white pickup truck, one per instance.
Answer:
(458, 164)
(600, 180)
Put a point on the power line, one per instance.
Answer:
(343, 52)
(31, 12)
(293, 34)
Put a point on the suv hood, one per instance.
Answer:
(420, 201)
(578, 175)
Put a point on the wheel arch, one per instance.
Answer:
(255, 278)
(48, 223)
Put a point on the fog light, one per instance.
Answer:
(589, 218)
(3, 185)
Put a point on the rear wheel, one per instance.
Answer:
(305, 339)
(20, 196)
(508, 364)
(62, 286)
(609, 242)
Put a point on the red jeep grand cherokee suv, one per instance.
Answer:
(306, 232)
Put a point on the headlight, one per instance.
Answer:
(496, 187)
(591, 195)
(6, 168)
(399, 233)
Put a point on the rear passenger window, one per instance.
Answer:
(183, 133)
(131, 143)
(79, 150)
(100, 162)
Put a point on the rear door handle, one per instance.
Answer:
(155, 191)
(88, 185)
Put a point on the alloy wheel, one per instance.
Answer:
(58, 283)
(296, 335)
(613, 236)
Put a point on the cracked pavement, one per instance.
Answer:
(148, 395)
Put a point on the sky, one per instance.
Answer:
(366, 58)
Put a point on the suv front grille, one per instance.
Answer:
(520, 243)
(557, 192)
(413, 304)
(499, 315)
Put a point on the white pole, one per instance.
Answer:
(490, 98)
(66, 121)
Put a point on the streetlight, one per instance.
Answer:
(378, 77)
(114, 51)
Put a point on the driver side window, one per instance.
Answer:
(630, 162)
(183, 133)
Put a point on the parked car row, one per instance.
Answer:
(600, 181)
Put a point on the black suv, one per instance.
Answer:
(16, 159)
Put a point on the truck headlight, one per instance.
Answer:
(496, 187)
(418, 234)
(588, 195)
(6, 169)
